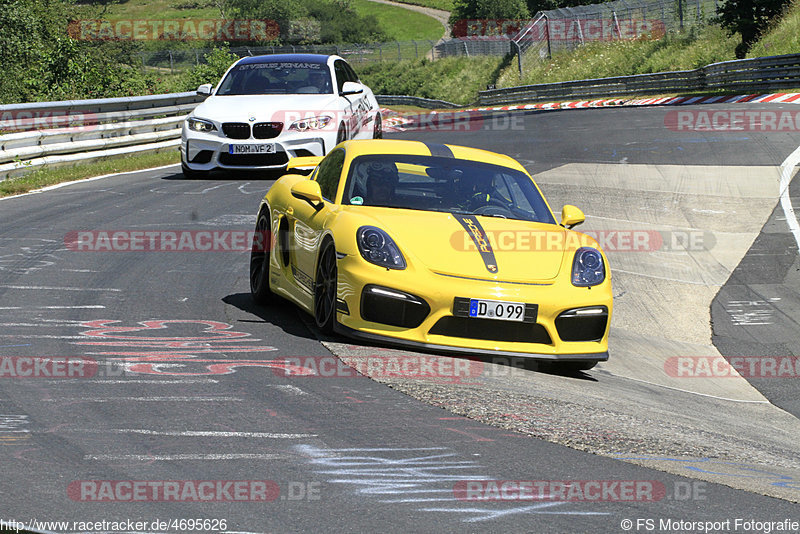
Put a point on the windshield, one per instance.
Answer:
(277, 78)
(444, 184)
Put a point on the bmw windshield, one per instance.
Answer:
(277, 78)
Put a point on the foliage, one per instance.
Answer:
(488, 9)
(748, 18)
(217, 62)
(455, 79)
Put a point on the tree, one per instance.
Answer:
(488, 9)
(749, 18)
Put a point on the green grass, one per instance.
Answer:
(161, 9)
(782, 38)
(44, 177)
(400, 24)
(621, 58)
(455, 79)
(444, 5)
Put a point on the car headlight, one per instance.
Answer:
(200, 125)
(377, 247)
(587, 267)
(311, 123)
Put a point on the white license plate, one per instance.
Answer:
(497, 309)
(264, 148)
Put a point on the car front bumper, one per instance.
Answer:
(442, 330)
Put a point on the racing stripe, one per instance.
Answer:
(478, 235)
(443, 151)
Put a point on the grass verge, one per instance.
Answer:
(687, 51)
(44, 177)
(454, 79)
(400, 24)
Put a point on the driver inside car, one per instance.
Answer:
(381, 180)
(475, 192)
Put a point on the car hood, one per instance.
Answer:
(263, 108)
(454, 244)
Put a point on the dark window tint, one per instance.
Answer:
(340, 69)
(329, 172)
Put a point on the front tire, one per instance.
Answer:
(377, 132)
(341, 135)
(259, 260)
(325, 289)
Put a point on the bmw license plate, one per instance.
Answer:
(497, 309)
(263, 148)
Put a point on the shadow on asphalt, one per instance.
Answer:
(228, 175)
(280, 313)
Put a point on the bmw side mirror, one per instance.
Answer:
(204, 89)
(351, 88)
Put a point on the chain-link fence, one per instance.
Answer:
(567, 28)
(178, 60)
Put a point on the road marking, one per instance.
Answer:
(181, 457)
(92, 179)
(137, 381)
(49, 288)
(146, 399)
(198, 433)
(787, 167)
(688, 391)
(90, 307)
(294, 390)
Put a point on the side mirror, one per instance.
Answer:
(351, 88)
(309, 191)
(571, 216)
(204, 89)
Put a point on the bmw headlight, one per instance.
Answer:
(200, 125)
(587, 267)
(377, 247)
(311, 123)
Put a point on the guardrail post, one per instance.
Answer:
(519, 56)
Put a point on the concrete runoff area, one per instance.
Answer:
(718, 429)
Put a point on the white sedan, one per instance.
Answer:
(269, 109)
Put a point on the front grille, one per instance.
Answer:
(491, 330)
(267, 130)
(236, 130)
(392, 307)
(253, 160)
(573, 327)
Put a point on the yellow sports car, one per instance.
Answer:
(436, 247)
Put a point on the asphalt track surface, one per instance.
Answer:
(208, 401)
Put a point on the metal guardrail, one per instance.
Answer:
(768, 73)
(392, 100)
(63, 133)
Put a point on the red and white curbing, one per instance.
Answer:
(394, 121)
